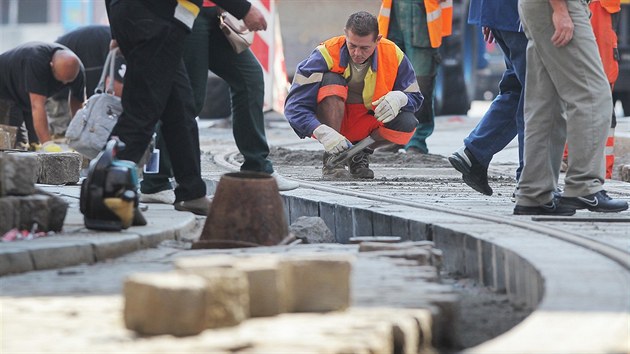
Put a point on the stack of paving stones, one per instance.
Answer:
(22, 205)
(327, 298)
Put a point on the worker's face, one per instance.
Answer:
(361, 47)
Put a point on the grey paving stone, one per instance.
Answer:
(362, 222)
(59, 168)
(327, 213)
(18, 173)
(9, 213)
(51, 254)
(15, 261)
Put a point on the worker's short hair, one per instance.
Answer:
(362, 23)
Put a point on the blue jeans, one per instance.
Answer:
(504, 118)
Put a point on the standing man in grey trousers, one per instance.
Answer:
(567, 98)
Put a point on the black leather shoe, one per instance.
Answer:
(554, 207)
(473, 173)
(599, 202)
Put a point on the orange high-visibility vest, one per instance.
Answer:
(378, 83)
(439, 19)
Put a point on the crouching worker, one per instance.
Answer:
(351, 87)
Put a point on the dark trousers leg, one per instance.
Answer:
(425, 115)
(160, 181)
(157, 88)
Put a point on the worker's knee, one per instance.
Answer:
(405, 122)
(333, 84)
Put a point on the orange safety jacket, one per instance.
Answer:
(612, 6)
(439, 19)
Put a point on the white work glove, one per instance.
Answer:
(388, 106)
(333, 142)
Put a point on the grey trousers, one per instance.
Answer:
(567, 97)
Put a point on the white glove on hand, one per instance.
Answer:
(388, 106)
(333, 142)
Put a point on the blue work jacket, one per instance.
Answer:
(495, 14)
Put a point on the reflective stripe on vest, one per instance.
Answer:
(439, 19)
(377, 83)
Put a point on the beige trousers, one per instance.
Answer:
(567, 97)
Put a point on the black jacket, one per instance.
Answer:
(166, 8)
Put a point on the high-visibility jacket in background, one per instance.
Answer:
(606, 38)
(601, 21)
(439, 19)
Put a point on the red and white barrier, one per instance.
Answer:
(267, 47)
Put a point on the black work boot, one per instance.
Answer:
(338, 172)
(474, 174)
(598, 202)
(360, 165)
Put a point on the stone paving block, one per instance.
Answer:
(405, 327)
(9, 213)
(267, 285)
(343, 224)
(227, 296)
(18, 173)
(8, 135)
(286, 200)
(420, 256)
(266, 279)
(625, 173)
(165, 303)
(445, 320)
(498, 259)
(419, 230)
(452, 244)
(57, 211)
(382, 246)
(111, 246)
(15, 261)
(472, 257)
(317, 283)
(327, 213)
(381, 224)
(50, 254)
(487, 264)
(202, 263)
(511, 274)
(34, 210)
(331, 333)
(59, 168)
(362, 221)
(302, 207)
(400, 227)
(437, 257)
(5, 140)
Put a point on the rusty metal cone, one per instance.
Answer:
(246, 211)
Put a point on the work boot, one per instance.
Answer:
(359, 165)
(474, 174)
(338, 172)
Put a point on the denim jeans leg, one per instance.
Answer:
(504, 119)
